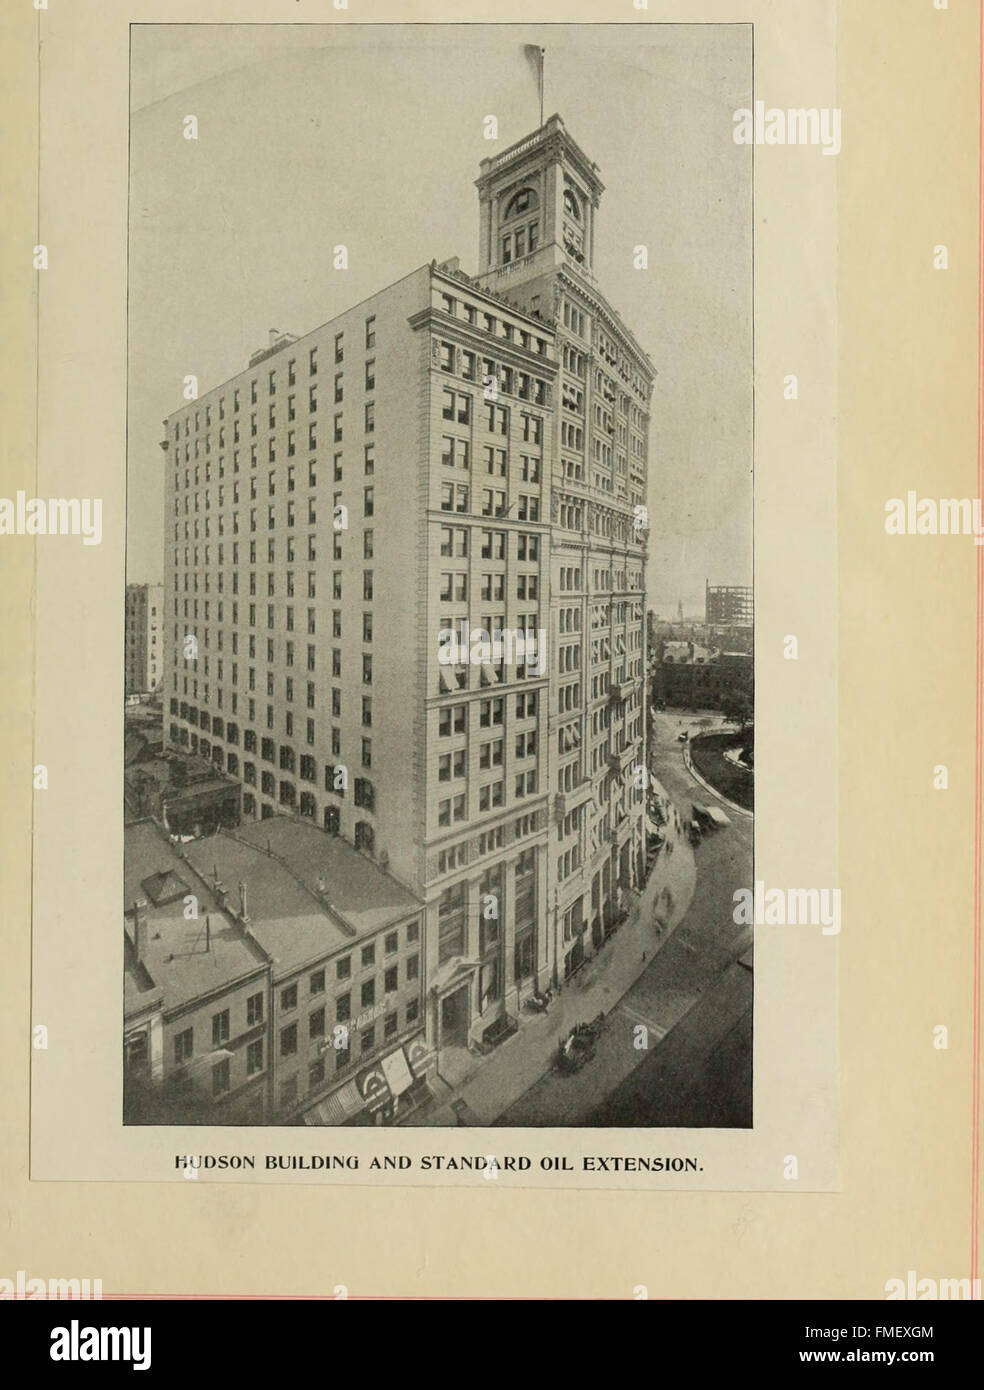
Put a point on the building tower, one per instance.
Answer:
(539, 205)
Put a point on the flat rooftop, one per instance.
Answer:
(308, 893)
(365, 896)
(174, 955)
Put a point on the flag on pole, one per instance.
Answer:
(535, 56)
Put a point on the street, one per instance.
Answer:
(676, 1048)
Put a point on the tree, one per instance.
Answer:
(737, 709)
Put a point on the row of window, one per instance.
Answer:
(496, 379)
(455, 586)
(272, 378)
(287, 515)
(479, 317)
(290, 1033)
(455, 497)
(456, 453)
(343, 1055)
(455, 542)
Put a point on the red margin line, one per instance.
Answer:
(979, 670)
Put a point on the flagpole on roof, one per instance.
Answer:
(536, 57)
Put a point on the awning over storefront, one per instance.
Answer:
(397, 1071)
(337, 1108)
(379, 1087)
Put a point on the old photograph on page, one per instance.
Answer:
(439, 688)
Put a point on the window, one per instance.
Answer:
(220, 1077)
(220, 1028)
(317, 982)
(254, 1057)
(451, 926)
(343, 968)
(451, 720)
(288, 996)
(371, 331)
(184, 1045)
(367, 994)
(254, 1010)
(371, 374)
(316, 1023)
(288, 1040)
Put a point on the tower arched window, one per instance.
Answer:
(573, 234)
(520, 225)
(524, 201)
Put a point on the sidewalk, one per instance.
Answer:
(500, 1079)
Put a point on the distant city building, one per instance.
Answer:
(455, 454)
(687, 675)
(143, 636)
(729, 605)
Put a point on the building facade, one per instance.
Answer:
(255, 993)
(539, 204)
(731, 605)
(143, 637)
(689, 676)
(461, 455)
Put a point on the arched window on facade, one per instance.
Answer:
(520, 227)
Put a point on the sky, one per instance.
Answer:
(371, 136)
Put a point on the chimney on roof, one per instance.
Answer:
(139, 926)
(208, 932)
(242, 901)
(274, 335)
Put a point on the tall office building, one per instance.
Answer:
(143, 652)
(539, 205)
(460, 454)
